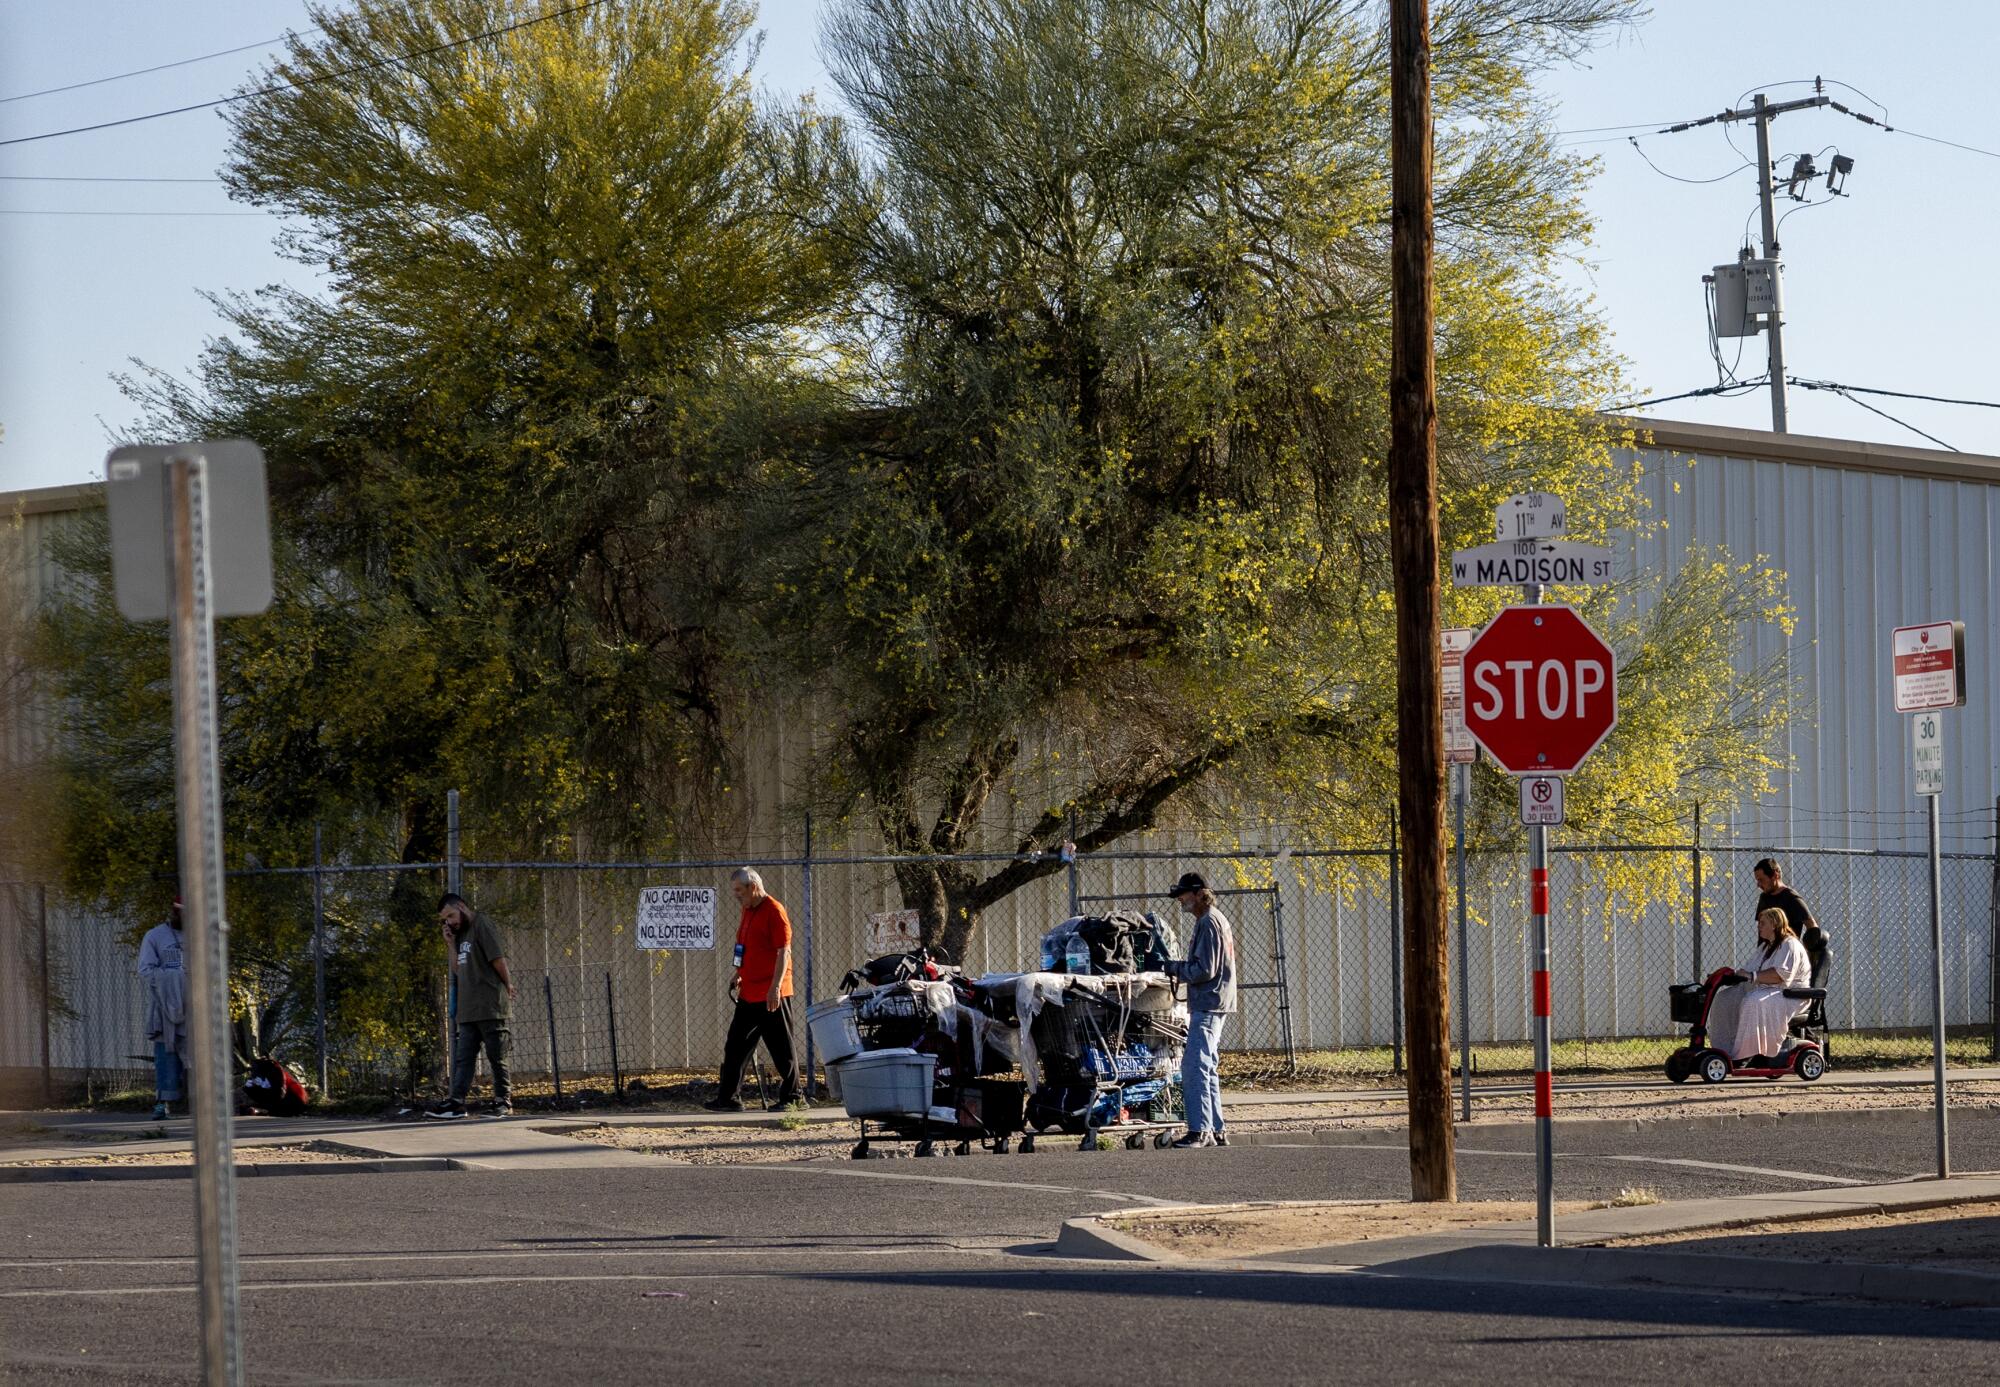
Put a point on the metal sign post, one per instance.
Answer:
(190, 541)
(1460, 751)
(1543, 693)
(1462, 798)
(1927, 731)
(1927, 674)
(197, 790)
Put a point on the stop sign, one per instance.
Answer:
(1541, 690)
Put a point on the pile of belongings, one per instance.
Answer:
(1096, 1030)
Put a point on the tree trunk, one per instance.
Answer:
(1413, 540)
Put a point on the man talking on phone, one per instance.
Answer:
(762, 989)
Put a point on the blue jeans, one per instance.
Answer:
(167, 1072)
(1201, 1082)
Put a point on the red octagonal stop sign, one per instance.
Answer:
(1541, 690)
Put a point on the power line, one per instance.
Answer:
(1968, 148)
(1633, 140)
(296, 86)
(142, 71)
(1901, 423)
(1900, 394)
(53, 212)
(93, 178)
(1733, 388)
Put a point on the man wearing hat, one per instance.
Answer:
(1210, 974)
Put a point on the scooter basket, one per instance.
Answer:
(1684, 1001)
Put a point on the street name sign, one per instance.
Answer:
(1541, 690)
(236, 526)
(1541, 800)
(1517, 563)
(1531, 515)
(1927, 663)
(676, 917)
(1459, 748)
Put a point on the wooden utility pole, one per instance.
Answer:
(1413, 550)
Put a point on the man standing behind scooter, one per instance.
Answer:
(1773, 894)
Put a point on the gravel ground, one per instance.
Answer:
(1260, 1230)
(833, 1140)
(726, 1145)
(1964, 1237)
(312, 1151)
(1736, 1098)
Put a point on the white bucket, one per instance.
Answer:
(835, 1034)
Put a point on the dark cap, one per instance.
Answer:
(1190, 881)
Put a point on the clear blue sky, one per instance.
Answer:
(1891, 287)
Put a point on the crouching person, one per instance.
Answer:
(1210, 974)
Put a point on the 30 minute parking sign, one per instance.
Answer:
(676, 917)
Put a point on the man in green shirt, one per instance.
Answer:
(479, 964)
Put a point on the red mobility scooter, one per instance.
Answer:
(1690, 1004)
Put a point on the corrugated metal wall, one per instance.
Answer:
(1863, 551)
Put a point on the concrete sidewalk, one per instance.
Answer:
(1508, 1252)
(516, 1141)
(471, 1143)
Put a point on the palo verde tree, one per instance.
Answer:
(1110, 544)
(566, 298)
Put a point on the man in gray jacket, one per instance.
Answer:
(1210, 974)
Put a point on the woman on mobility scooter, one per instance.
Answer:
(1745, 1017)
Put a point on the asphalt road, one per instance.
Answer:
(931, 1271)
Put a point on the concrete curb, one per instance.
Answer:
(1089, 1237)
(1612, 1266)
(67, 1174)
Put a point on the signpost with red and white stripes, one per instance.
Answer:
(1540, 694)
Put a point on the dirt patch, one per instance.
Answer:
(1260, 1229)
(316, 1152)
(1736, 1098)
(1964, 1237)
(740, 1145)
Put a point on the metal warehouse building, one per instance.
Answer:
(1870, 537)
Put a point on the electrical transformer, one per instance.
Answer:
(1744, 294)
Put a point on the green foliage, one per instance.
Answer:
(1040, 445)
(1119, 551)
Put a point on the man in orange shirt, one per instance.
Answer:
(762, 989)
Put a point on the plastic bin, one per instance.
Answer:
(835, 1034)
(886, 1083)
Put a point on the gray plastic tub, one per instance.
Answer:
(886, 1083)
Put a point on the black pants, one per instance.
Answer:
(752, 1021)
(494, 1036)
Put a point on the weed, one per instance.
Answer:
(793, 1118)
(1634, 1197)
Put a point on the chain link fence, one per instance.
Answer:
(340, 968)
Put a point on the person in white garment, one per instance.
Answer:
(1750, 1019)
(164, 973)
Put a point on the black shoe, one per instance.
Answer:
(501, 1110)
(1194, 1139)
(783, 1104)
(447, 1110)
(724, 1105)
(1222, 1138)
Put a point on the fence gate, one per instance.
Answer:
(1265, 946)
